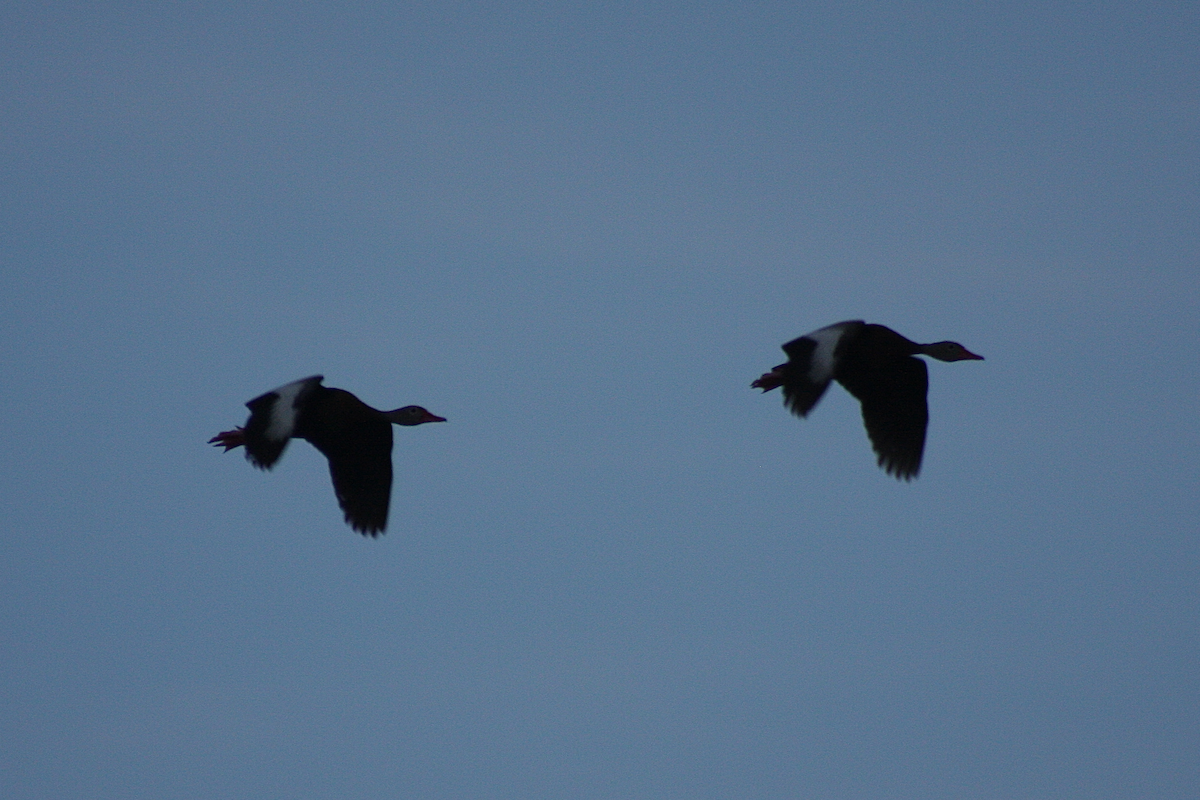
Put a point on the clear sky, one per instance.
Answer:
(579, 231)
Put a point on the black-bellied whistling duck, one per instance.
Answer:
(356, 438)
(876, 365)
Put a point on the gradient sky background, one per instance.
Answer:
(579, 231)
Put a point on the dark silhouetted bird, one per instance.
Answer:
(876, 365)
(356, 438)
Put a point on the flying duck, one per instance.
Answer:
(876, 365)
(356, 438)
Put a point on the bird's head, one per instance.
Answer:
(412, 415)
(949, 351)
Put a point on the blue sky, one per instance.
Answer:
(579, 232)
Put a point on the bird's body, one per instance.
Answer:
(877, 366)
(356, 438)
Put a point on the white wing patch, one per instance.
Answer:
(284, 411)
(820, 367)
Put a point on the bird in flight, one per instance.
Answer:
(356, 438)
(877, 366)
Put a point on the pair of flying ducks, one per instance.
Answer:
(873, 363)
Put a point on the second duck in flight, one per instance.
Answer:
(876, 365)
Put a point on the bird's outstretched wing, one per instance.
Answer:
(812, 363)
(895, 413)
(360, 464)
(273, 420)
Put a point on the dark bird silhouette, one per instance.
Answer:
(356, 438)
(876, 365)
